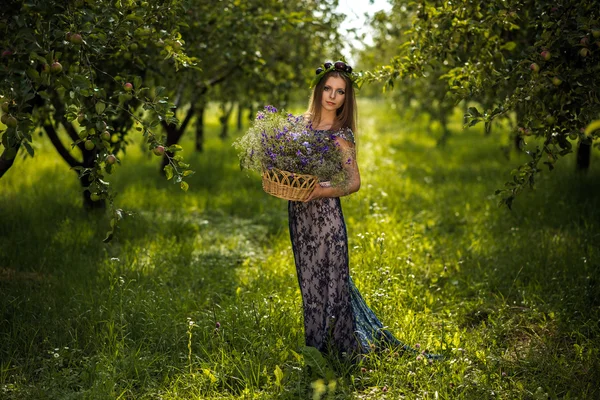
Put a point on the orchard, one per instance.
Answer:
(138, 261)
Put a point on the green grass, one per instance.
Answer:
(511, 297)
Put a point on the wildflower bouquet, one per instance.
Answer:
(288, 152)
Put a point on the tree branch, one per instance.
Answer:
(64, 153)
(59, 115)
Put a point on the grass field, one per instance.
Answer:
(197, 297)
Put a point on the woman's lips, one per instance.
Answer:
(331, 103)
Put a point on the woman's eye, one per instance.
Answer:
(340, 92)
(326, 88)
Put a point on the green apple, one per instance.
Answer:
(89, 145)
(11, 122)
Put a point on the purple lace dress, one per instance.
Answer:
(335, 314)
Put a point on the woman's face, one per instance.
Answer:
(334, 93)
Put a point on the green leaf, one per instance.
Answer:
(313, 358)
(33, 74)
(184, 186)
(169, 171)
(100, 107)
(28, 148)
(510, 46)
(278, 375)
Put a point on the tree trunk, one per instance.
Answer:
(584, 155)
(443, 120)
(251, 112)
(224, 119)
(240, 116)
(88, 162)
(200, 128)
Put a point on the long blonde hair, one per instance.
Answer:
(345, 115)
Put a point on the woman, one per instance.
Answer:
(335, 315)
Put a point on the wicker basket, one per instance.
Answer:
(287, 185)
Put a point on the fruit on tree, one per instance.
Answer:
(11, 122)
(159, 150)
(573, 135)
(4, 118)
(7, 53)
(128, 87)
(596, 33)
(105, 136)
(111, 159)
(76, 38)
(81, 118)
(584, 41)
(89, 145)
(4, 106)
(546, 55)
(550, 119)
(556, 81)
(584, 52)
(56, 67)
(534, 67)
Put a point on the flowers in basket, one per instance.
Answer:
(291, 156)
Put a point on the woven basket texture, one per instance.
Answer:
(288, 185)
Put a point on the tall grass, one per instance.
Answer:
(197, 297)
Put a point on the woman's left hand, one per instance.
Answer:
(317, 193)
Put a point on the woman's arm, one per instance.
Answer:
(351, 166)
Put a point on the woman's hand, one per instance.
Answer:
(317, 193)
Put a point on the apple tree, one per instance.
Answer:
(82, 67)
(536, 60)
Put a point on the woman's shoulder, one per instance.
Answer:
(346, 134)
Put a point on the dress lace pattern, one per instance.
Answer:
(335, 314)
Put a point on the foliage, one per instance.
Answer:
(286, 142)
(82, 65)
(538, 60)
(513, 296)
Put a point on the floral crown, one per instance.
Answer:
(339, 66)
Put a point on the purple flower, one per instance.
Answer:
(271, 109)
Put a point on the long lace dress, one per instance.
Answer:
(335, 314)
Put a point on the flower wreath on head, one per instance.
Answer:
(339, 66)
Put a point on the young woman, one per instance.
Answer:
(336, 318)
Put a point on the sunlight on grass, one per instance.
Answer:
(197, 297)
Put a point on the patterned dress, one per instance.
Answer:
(335, 315)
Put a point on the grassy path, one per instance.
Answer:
(198, 297)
